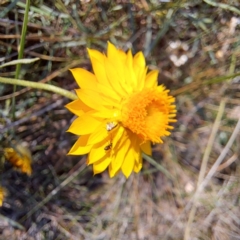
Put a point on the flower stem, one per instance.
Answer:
(21, 50)
(42, 86)
(158, 166)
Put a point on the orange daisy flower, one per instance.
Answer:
(3, 194)
(20, 157)
(120, 110)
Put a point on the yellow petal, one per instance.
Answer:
(95, 99)
(108, 92)
(90, 98)
(121, 144)
(162, 90)
(126, 149)
(138, 164)
(106, 113)
(117, 161)
(84, 78)
(78, 107)
(101, 165)
(112, 173)
(119, 139)
(80, 147)
(146, 148)
(129, 162)
(101, 70)
(98, 65)
(84, 125)
(136, 147)
(138, 62)
(98, 152)
(116, 56)
(116, 63)
(142, 78)
(112, 51)
(152, 79)
(139, 69)
(129, 72)
(116, 79)
(99, 134)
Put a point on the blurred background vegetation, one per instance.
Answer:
(196, 47)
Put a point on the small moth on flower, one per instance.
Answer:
(108, 147)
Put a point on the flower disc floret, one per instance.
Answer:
(148, 114)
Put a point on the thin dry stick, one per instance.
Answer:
(196, 85)
(136, 210)
(223, 6)
(232, 159)
(55, 191)
(11, 222)
(211, 141)
(204, 163)
(217, 163)
(221, 157)
(43, 110)
(209, 175)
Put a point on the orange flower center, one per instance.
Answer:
(148, 113)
